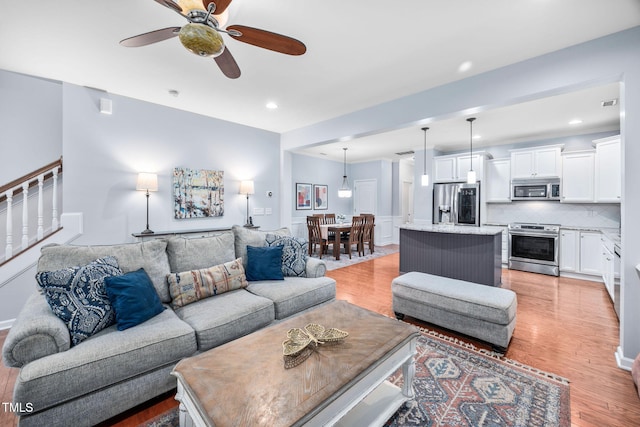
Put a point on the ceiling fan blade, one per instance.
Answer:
(171, 5)
(228, 64)
(268, 40)
(221, 5)
(150, 37)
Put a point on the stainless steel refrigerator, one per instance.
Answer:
(456, 203)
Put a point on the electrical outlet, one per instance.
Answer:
(267, 211)
(258, 211)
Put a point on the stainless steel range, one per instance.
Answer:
(534, 248)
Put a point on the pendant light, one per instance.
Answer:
(345, 190)
(471, 175)
(425, 177)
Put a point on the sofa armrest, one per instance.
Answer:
(315, 267)
(36, 333)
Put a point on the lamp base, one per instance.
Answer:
(147, 231)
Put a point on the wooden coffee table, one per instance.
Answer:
(245, 383)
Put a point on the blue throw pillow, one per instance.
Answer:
(264, 263)
(134, 298)
(77, 296)
(294, 254)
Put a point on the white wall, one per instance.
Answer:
(104, 153)
(604, 60)
(30, 116)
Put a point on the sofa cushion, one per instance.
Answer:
(134, 298)
(226, 317)
(295, 294)
(198, 253)
(151, 255)
(294, 254)
(264, 263)
(77, 295)
(190, 286)
(107, 358)
(247, 237)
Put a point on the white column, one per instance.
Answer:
(40, 207)
(54, 214)
(9, 246)
(25, 215)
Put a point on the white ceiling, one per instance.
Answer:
(359, 53)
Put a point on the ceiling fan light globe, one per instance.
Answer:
(201, 39)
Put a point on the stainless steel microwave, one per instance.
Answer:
(535, 189)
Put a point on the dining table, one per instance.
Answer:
(337, 230)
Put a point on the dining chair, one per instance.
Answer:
(330, 218)
(368, 232)
(355, 236)
(315, 236)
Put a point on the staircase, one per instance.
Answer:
(29, 211)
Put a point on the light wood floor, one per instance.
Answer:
(564, 326)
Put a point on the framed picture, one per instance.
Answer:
(320, 197)
(197, 193)
(303, 196)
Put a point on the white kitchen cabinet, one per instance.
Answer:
(444, 169)
(580, 252)
(578, 170)
(569, 250)
(608, 167)
(608, 266)
(590, 253)
(498, 181)
(455, 167)
(505, 245)
(543, 162)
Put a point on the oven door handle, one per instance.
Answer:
(529, 234)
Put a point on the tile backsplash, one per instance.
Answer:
(597, 215)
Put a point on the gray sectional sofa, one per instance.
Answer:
(63, 384)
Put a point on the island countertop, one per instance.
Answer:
(454, 229)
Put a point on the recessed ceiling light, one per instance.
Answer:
(575, 122)
(272, 105)
(465, 66)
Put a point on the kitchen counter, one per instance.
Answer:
(455, 229)
(472, 254)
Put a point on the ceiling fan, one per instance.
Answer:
(202, 36)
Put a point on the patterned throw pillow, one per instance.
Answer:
(295, 252)
(77, 295)
(190, 286)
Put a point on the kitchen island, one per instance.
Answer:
(472, 254)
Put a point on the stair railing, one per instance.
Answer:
(9, 193)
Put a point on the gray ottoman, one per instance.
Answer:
(484, 312)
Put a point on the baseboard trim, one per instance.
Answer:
(623, 362)
(6, 324)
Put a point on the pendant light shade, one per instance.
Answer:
(345, 190)
(471, 175)
(425, 178)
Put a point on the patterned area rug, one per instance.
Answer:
(458, 385)
(378, 251)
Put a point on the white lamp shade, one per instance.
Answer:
(471, 177)
(147, 182)
(425, 180)
(344, 193)
(246, 187)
